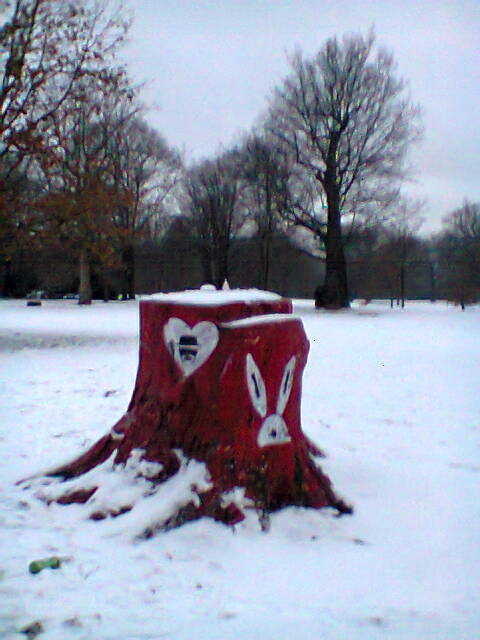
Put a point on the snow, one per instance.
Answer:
(211, 296)
(265, 319)
(392, 397)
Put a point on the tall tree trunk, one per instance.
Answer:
(206, 261)
(222, 268)
(128, 260)
(433, 282)
(7, 280)
(266, 237)
(265, 259)
(402, 284)
(334, 292)
(85, 287)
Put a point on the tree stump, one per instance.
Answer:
(218, 382)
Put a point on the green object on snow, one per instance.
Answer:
(45, 563)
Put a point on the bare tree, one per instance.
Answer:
(144, 166)
(56, 59)
(346, 120)
(400, 240)
(45, 47)
(459, 249)
(81, 195)
(464, 223)
(213, 206)
(18, 226)
(266, 177)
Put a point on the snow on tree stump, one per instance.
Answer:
(218, 387)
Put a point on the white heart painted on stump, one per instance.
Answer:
(190, 346)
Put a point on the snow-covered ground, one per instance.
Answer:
(392, 396)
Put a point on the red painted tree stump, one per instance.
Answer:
(218, 382)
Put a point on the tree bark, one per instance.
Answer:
(334, 293)
(222, 273)
(7, 280)
(266, 236)
(128, 261)
(85, 286)
(206, 262)
(402, 284)
(265, 260)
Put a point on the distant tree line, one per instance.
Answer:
(397, 268)
(308, 203)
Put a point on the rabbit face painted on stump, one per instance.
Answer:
(274, 430)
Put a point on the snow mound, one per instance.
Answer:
(129, 490)
(207, 296)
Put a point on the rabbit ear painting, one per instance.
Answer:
(274, 430)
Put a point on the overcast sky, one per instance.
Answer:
(211, 64)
